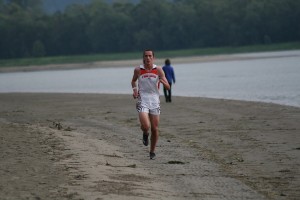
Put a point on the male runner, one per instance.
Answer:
(148, 76)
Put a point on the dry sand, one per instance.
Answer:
(88, 146)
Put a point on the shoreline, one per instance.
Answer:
(159, 61)
(88, 146)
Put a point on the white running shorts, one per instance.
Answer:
(142, 108)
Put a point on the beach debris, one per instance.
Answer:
(234, 161)
(114, 155)
(239, 159)
(130, 166)
(107, 164)
(79, 177)
(284, 171)
(68, 129)
(176, 162)
(55, 124)
(59, 126)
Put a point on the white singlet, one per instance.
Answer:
(148, 88)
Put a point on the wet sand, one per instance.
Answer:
(88, 146)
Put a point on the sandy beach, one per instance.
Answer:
(89, 146)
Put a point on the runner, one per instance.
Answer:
(148, 76)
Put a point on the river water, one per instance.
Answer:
(266, 77)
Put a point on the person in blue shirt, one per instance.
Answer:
(170, 75)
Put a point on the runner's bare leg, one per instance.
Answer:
(145, 122)
(154, 120)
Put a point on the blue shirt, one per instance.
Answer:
(169, 73)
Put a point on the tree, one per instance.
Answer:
(101, 27)
(35, 5)
(38, 49)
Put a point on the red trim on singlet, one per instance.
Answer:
(153, 71)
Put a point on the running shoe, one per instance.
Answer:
(152, 156)
(145, 139)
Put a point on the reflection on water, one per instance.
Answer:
(267, 80)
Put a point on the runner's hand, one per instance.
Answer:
(135, 93)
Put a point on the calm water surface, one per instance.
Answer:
(274, 80)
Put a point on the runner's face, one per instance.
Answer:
(148, 57)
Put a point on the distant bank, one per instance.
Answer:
(91, 60)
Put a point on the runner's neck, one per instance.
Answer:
(149, 67)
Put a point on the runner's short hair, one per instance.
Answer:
(148, 50)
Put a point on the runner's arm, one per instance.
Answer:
(133, 83)
(162, 78)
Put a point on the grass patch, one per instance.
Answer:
(68, 59)
(138, 55)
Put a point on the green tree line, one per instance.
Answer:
(99, 27)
